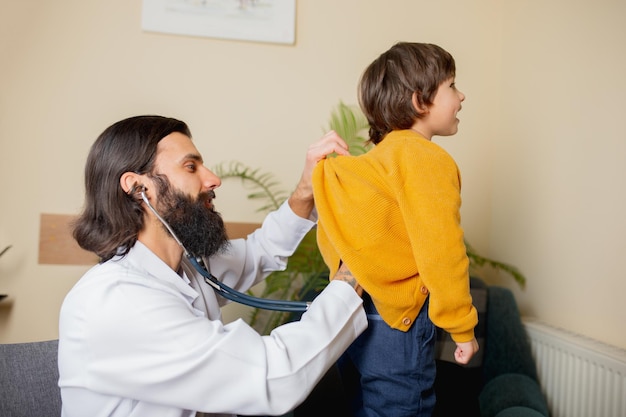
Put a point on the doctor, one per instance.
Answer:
(140, 334)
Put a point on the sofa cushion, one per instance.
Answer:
(519, 412)
(511, 390)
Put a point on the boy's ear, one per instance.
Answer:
(420, 108)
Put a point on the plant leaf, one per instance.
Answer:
(350, 123)
(477, 260)
(5, 249)
(264, 184)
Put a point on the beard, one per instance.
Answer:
(200, 229)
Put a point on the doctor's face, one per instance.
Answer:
(185, 190)
(178, 159)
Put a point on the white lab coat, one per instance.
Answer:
(137, 340)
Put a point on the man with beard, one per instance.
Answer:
(140, 334)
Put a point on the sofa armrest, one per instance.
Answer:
(507, 347)
(513, 395)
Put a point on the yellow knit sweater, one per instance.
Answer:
(393, 216)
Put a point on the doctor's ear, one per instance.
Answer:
(132, 185)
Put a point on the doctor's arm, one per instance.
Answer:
(301, 200)
(267, 249)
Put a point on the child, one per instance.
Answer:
(393, 216)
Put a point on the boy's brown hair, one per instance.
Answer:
(388, 84)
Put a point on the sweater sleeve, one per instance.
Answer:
(429, 199)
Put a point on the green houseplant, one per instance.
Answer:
(4, 250)
(306, 271)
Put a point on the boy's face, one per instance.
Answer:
(441, 117)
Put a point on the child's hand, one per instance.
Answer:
(465, 351)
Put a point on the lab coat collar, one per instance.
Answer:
(142, 258)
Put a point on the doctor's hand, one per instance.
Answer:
(301, 200)
(344, 274)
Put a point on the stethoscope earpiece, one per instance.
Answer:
(137, 191)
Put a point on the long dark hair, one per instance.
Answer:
(387, 85)
(111, 219)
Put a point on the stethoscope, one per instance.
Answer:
(223, 289)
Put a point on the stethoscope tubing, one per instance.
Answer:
(223, 289)
(242, 298)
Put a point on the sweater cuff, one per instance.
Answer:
(463, 336)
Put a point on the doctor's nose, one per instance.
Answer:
(210, 181)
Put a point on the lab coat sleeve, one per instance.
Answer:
(296, 355)
(265, 250)
(153, 347)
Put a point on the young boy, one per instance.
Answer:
(393, 216)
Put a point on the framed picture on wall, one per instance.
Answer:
(250, 20)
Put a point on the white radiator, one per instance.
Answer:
(579, 376)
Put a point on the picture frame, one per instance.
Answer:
(270, 21)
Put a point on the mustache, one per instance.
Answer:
(207, 196)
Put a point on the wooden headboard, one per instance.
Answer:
(58, 247)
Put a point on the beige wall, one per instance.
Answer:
(541, 143)
(558, 189)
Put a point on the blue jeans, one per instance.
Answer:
(390, 373)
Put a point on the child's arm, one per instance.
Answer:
(465, 351)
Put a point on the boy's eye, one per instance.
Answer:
(191, 167)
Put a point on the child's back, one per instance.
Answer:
(377, 214)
